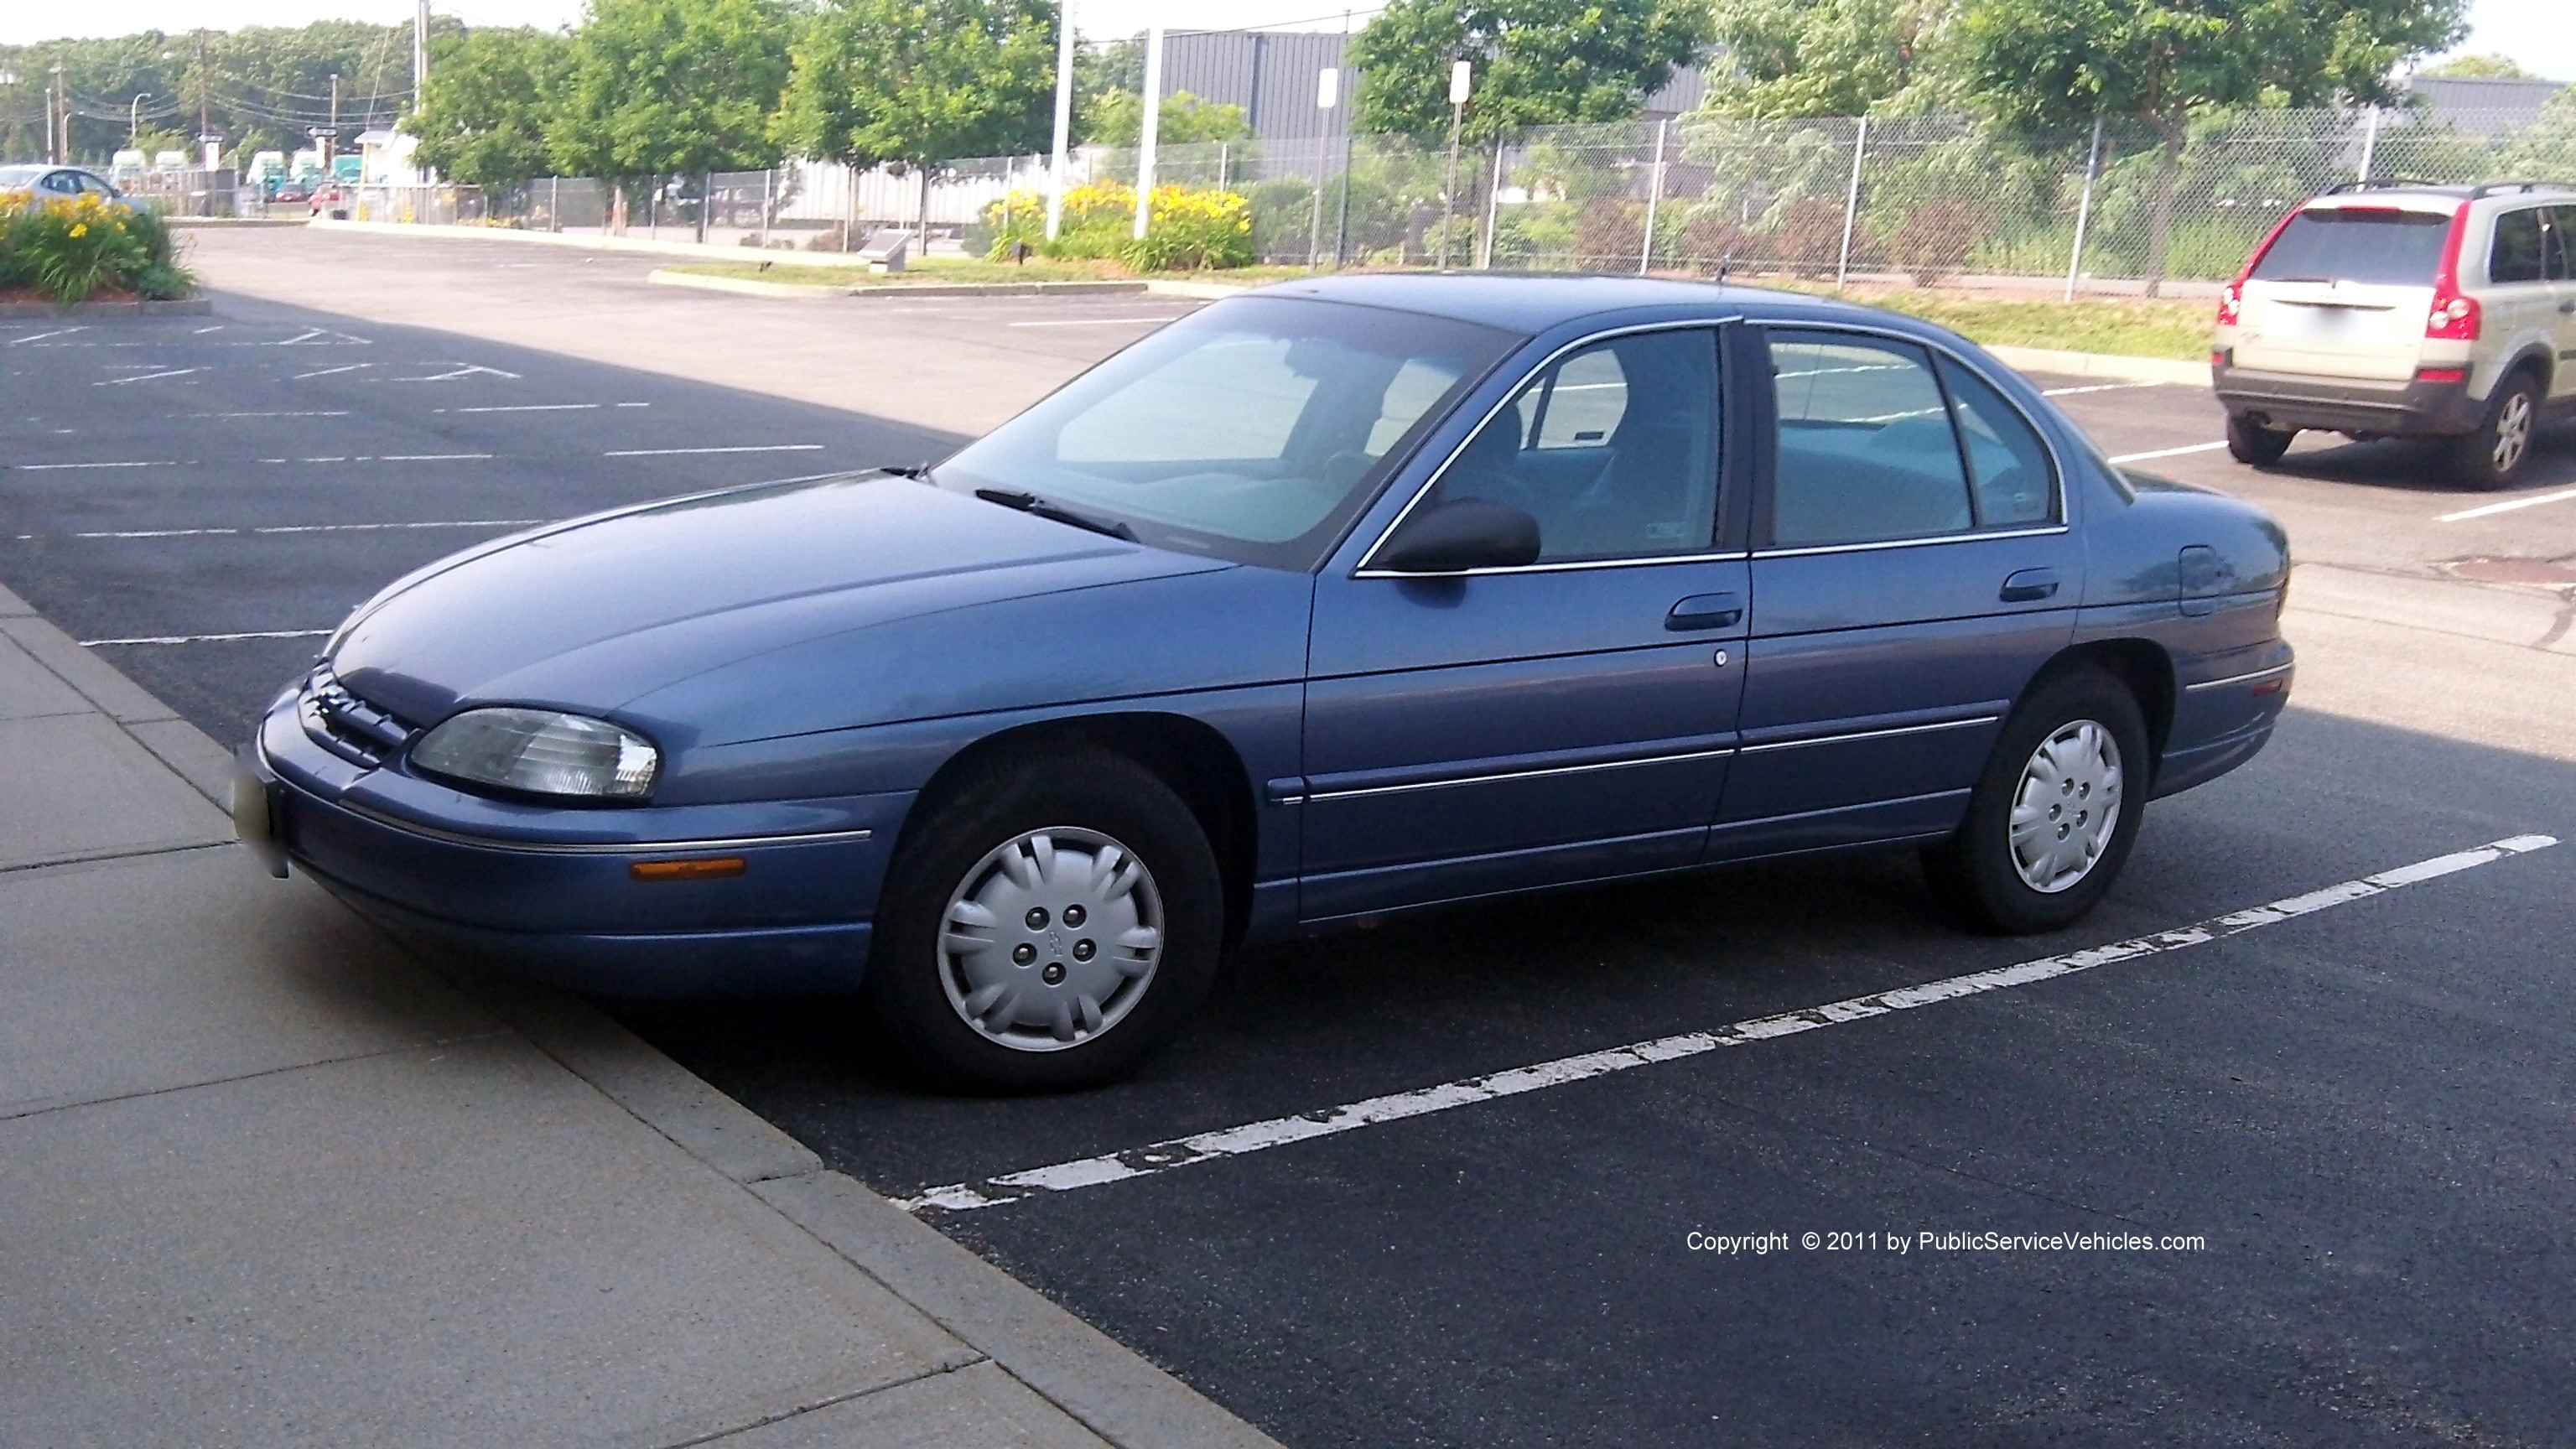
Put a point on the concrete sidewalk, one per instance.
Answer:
(268, 1176)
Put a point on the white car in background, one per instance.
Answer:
(2398, 310)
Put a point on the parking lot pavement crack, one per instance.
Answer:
(1250, 1137)
(10, 1111)
(825, 1402)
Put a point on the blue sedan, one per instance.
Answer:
(1337, 598)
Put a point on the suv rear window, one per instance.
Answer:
(2374, 246)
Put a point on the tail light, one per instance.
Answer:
(2453, 317)
(2231, 303)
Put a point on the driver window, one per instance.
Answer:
(1613, 449)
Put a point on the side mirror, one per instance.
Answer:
(1463, 533)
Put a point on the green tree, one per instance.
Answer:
(916, 84)
(2477, 67)
(1797, 58)
(659, 88)
(491, 96)
(1118, 119)
(1538, 62)
(2055, 65)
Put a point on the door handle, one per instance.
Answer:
(2030, 586)
(1706, 611)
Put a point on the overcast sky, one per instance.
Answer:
(2537, 33)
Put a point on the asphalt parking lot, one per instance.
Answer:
(2340, 1124)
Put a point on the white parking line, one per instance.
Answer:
(328, 371)
(528, 408)
(52, 467)
(462, 369)
(754, 448)
(148, 376)
(1280, 1131)
(1091, 322)
(2095, 387)
(2508, 506)
(41, 336)
(2167, 452)
(339, 414)
(208, 638)
(302, 528)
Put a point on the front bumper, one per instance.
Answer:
(2299, 400)
(542, 888)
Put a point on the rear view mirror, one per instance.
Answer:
(1463, 533)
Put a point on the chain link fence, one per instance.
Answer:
(1885, 201)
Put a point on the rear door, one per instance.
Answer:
(2343, 292)
(1912, 570)
(2519, 303)
(2562, 281)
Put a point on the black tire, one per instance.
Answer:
(1097, 793)
(2251, 443)
(1975, 871)
(2495, 453)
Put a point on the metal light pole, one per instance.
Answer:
(1342, 215)
(419, 50)
(58, 132)
(1153, 123)
(1063, 118)
(1461, 77)
(134, 117)
(1328, 94)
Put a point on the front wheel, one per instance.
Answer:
(2493, 455)
(2252, 443)
(1050, 923)
(2052, 819)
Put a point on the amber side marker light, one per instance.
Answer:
(709, 868)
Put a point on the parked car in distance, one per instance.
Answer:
(64, 182)
(2401, 310)
(1341, 597)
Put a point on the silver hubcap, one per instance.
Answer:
(2513, 431)
(2067, 806)
(1051, 939)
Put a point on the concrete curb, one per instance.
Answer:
(44, 311)
(1099, 1382)
(2103, 364)
(579, 242)
(752, 287)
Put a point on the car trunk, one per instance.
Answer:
(2343, 291)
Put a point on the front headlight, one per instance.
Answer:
(540, 752)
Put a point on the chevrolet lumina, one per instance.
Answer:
(1334, 599)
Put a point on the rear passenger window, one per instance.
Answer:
(1866, 453)
(2516, 255)
(2007, 465)
(2562, 243)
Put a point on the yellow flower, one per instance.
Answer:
(80, 228)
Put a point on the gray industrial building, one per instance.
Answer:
(1273, 75)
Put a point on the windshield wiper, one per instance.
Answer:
(1056, 512)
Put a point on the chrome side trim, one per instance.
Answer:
(638, 847)
(1699, 324)
(1806, 550)
(1319, 796)
(2240, 678)
(1921, 729)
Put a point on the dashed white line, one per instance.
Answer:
(148, 376)
(2508, 506)
(1091, 322)
(753, 448)
(1280, 1131)
(51, 467)
(208, 638)
(428, 457)
(2167, 452)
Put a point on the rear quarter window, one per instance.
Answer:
(2374, 246)
(2518, 253)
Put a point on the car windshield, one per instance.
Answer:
(15, 178)
(2375, 246)
(1250, 431)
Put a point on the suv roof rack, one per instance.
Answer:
(2491, 188)
(2379, 183)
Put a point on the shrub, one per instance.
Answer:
(1934, 240)
(1807, 240)
(1187, 229)
(1611, 234)
(73, 248)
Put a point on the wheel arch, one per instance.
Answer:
(2140, 664)
(2535, 359)
(1200, 764)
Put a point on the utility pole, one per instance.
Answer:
(1153, 124)
(419, 50)
(330, 142)
(1461, 77)
(1063, 117)
(58, 150)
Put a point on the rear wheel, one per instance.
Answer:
(2053, 817)
(1050, 924)
(2250, 442)
(2494, 454)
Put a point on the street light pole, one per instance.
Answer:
(1063, 118)
(134, 117)
(1461, 75)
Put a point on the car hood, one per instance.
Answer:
(594, 614)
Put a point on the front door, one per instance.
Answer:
(1565, 720)
(1912, 571)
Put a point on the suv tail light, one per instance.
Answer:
(2453, 317)
(2231, 303)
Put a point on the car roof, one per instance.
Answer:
(1535, 302)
